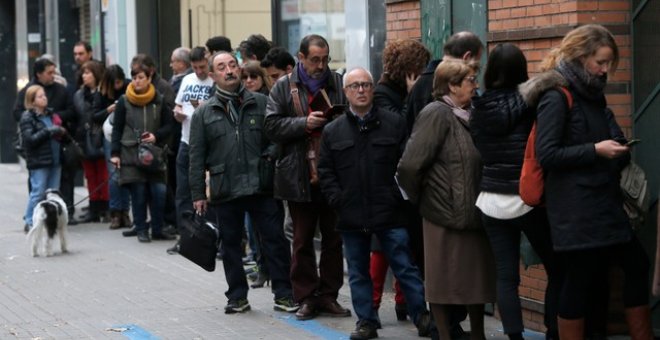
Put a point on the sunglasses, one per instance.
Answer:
(251, 76)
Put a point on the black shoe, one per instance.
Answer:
(72, 221)
(456, 332)
(162, 236)
(129, 233)
(401, 311)
(237, 306)
(364, 330)
(261, 280)
(174, 250)
(26, 228)
(424, 324)
(143, 236)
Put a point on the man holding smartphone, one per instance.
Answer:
(195, 89)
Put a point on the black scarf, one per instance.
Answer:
(584, 83)
(232, 100)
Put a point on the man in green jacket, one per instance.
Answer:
(227, 140)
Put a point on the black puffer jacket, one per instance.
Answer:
(500, 125)
(36, 141)
(357, 168)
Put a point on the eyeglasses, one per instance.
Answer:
(251, 76)
(317, 60)
(356, 86)
(472, 79)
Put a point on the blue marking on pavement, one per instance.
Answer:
(314, 327)
(135, 332)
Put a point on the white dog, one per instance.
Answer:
(50, 217)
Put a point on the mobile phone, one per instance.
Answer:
(633, 142)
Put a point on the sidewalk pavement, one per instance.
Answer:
(113, 287)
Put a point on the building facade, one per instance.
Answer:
(536, 26)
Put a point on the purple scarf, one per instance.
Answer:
(313, 85)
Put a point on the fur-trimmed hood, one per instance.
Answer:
(532, 89)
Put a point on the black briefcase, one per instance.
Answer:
(199, 240)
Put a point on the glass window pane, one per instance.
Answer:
(299, 18)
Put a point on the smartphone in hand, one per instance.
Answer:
(633, 142)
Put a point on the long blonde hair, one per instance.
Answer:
(581, 42)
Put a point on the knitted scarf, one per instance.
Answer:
(313, 85)
(231, 99)
(587, 85)
(140, 99)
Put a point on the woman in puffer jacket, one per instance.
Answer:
(500, 124)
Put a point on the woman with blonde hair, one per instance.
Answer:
(440, 171)
(582, 151)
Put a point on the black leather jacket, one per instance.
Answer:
(36, 141)
(287, 129)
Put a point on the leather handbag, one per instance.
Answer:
(151, 157)
(532, 180)
(200, 240)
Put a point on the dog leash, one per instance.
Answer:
(98, 187)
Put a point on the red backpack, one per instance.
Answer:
(531, 176)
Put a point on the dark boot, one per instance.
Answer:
(571, 329)
(103, 211)
(92, 214)
(126, 219)
(115, 219)
(639, 323)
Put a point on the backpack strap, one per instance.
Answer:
(296, 98)
(568, 95)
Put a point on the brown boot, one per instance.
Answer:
(571, 329)
(126, 219)
(639, 322)
(115, 219)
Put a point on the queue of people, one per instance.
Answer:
(419, 171)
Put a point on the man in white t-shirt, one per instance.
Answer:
(195, 89)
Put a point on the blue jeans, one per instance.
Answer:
(156, 205)
(119, 196)
(268, 216)
(183, 197)
(394, 244)
(41, 180)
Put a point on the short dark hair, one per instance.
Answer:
(112, 73)
(217, 54)
(140, 67)
(198, 54)
(40, 66)
(506, 67)
(256, 45)
(145, 60)
(218, 43)
(85, 44)
(462, 42)
(312, 40)
(278, 57)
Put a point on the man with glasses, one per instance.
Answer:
(296, 127)
(359, 154)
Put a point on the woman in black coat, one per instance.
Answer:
(500, 124)
(582, 152)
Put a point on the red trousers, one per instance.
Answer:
(96, 173)
(377, 270)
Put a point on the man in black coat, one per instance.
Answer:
(360, 151)
(60, 103)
